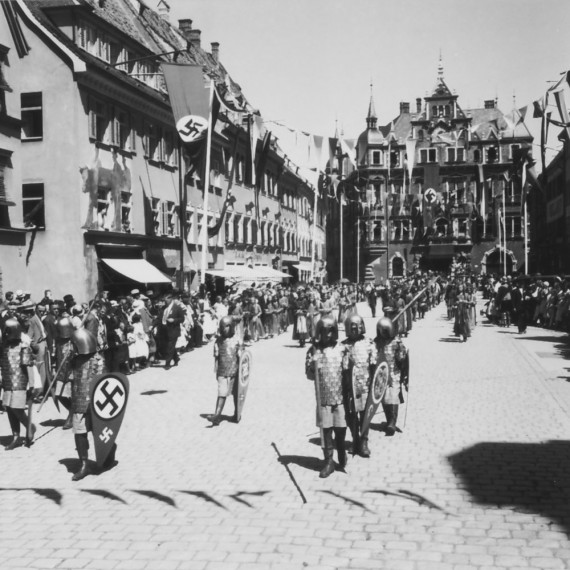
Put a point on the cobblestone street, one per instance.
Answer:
(478, 478)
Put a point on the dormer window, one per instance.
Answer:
(376, 157)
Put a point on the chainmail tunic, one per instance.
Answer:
(360, 355)
(14, 376)
(226, 353)
(329, 363)
(86, 367)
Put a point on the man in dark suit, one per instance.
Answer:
(172, 318)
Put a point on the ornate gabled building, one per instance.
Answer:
(437, 185)
(91, 173)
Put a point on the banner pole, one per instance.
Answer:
(207, 189)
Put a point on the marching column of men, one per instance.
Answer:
(344, 376)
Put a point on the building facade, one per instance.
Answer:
(438, 185)
(95, 190)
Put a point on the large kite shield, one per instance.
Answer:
(375, 394)
(245, 363)
(109, 395)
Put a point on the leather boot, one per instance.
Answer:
(82, 445)
(363, 449)
(83, 470)
(392, 417)
(328, 450)
(340, 437)
(14, 443)
(217, 417)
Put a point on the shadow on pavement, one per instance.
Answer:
(153, 392)
(157, 496)
(311, 463)
(347, 499)
(205, 497)
(531, 477)
(52, 423)
(451, 339)
(240, 494)
(105, 494)
(409, 495)
(51, 494)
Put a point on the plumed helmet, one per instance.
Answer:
(226, 328)
(385, 329)
(12, 330)
(354, 323)
(84, 341)
(324, 327)
(65, 327)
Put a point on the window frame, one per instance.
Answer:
(34, 110)
(34, 201)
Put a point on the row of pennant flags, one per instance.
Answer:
(196, 105)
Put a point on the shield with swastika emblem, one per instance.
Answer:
(109, 396)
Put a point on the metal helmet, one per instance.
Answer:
(65, 327)
(226, 328)
(354, 327)
(326, 331)
(84, 341)
(12, 330)
(385, 329)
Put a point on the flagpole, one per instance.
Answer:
(504, 234)
(182, 215)
(207, 188)
(313, 237)
(357, 250)
(526, 239)
(341, 236)
(387, 216)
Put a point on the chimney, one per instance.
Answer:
(404, 108)
(194, 37)
(419, 104)
(185, 26)
(215, 51)
(490, 104)
(164, 10)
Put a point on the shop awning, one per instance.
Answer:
(304, 266)
(270, 273)
(139, 270)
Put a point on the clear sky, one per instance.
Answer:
(308, 63)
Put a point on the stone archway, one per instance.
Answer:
(397, 266)
(491, 261)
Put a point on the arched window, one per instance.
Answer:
(397, 267)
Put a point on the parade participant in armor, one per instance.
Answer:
(359, 361)
(392, 351)
(326, 356)
(87, 364)
(227, 350)
(64, 352)
(14, 380)
(300, 330)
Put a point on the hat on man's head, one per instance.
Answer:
(135, 292)
(68, 299)
(26, 307)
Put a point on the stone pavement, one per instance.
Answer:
(477, 479)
